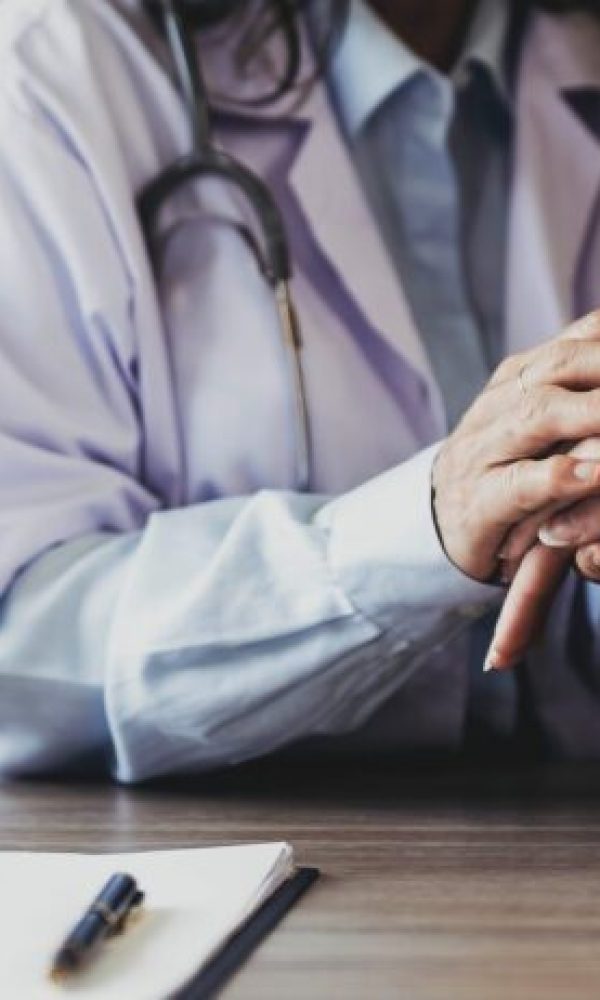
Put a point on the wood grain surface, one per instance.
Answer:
(437, 885)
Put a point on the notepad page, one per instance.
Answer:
(195, 900)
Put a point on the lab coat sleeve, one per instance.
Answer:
(223, 631)
(171, 640)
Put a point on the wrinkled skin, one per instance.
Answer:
(523, 463)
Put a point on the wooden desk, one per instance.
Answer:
(457, 886)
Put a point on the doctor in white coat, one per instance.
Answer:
(170, 600)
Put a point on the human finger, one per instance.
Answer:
(587, 561)
(526, 605)
(571, 364)
(587, 328)
(514, 491)
(535, 579)
(525, 534)
(571, 361)
(546, 419)
(474, 519)
(573, 528)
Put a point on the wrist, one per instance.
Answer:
(461, 555)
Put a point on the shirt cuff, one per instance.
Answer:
(385, 552)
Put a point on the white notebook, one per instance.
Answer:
(194, 901)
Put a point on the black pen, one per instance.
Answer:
(106, 916)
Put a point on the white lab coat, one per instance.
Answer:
(170, 602)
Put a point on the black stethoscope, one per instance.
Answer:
(206, 160)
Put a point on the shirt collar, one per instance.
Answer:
(371, 62)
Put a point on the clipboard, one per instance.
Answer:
(213, 976)
(206, 911)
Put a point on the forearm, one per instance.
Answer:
(226, 630)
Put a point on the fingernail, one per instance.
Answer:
(585, 471)
(555, 536)
(492, 661)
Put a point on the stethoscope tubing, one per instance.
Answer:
(206, 160)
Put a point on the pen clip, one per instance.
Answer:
(116, 922)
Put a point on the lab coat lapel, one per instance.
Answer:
(329, 190)
(326, 186)
(557, 179)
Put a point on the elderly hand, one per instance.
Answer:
(503, 463)
(538, 554)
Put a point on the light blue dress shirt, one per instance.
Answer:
(434, 153)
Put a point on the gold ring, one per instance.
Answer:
(521, 380)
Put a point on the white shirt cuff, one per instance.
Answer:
(385, 551)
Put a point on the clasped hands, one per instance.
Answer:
(517, 484)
